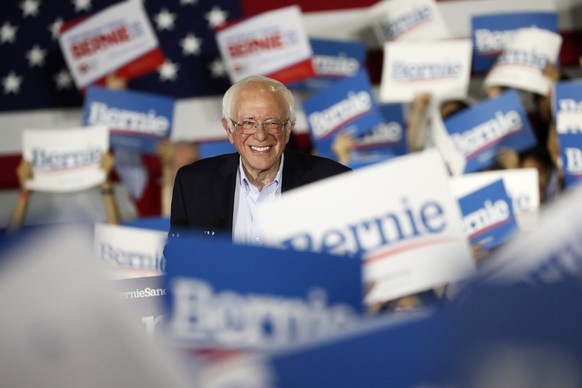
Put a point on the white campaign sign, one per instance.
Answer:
(265, 43)
(442, 68)
(130, 252)
(106, 41)
(523, 60)
(65, 159)
(521, 185)
(408, 20)
(410, 238)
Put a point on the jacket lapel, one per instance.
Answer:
(223, 191)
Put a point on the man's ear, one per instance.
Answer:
(227, 129)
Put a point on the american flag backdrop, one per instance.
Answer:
(34, 75)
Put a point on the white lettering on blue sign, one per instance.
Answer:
(146, 292)
(573, 128)
(371, 234)
(339, 66)
(403, 72)
(65, 160)
(356, 104)
(573, 160)
(490, 42)
(393, 29)
(385, 132)
(114, 118)
(201, 313)
(131, 259)
(570, 105)
(488, 133)
(489, 215)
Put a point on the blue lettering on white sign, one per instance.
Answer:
(404, 72)
(43, 159)
(370, 234)
(131, 259)
(405, 22)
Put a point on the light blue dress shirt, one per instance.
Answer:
(246, 228)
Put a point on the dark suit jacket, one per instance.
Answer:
(203, 196)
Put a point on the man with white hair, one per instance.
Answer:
(219, 194)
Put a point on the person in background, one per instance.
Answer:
(549, 181)
(174, 154)
(418, 122)
(65, 207)
(220, 194)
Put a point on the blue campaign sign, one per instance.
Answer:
(161, 223)
(221, 294)
(571, 152)
(389, 137)
(348, 105)
(488, 215)
(333, 60)
(494, 331)
(490, 33)
(481, 132)
(207, 149)
(137, 121)
(567, 96)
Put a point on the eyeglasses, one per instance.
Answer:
(249, 127)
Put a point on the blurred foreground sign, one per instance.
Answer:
(227, 296)
(411, 238)
(130, 252)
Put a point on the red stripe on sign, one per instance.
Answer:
(294, 73)
(386, 253)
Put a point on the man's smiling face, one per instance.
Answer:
(260, 152)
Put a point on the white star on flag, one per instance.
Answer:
(55, 28)
(11, 83)
(165, 20)
(8, 33)
(29, 8)
(63, 80)
(217, 68)
(168, 71)
(191, 45)
(216, 17)
(82, 5)
(36, 56)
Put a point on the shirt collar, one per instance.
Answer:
(244, 180)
